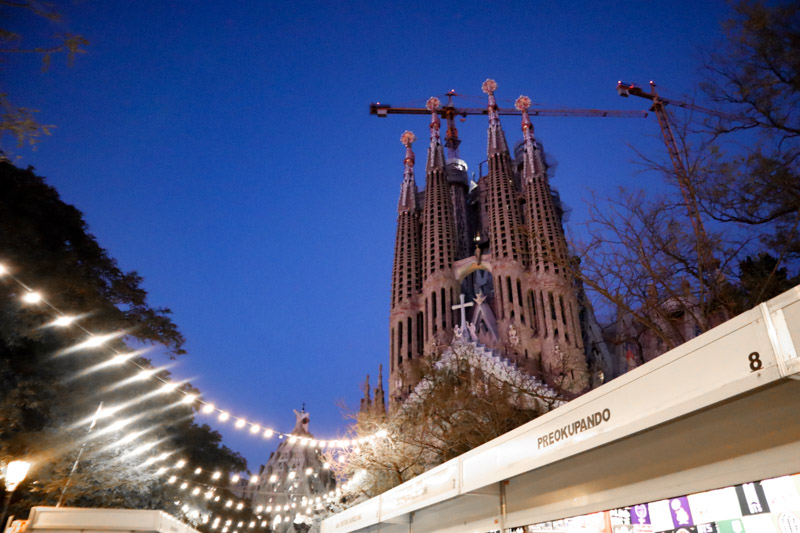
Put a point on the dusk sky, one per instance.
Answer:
(224, 150)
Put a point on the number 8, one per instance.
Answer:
(755, 361)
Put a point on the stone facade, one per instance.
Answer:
(500, 242)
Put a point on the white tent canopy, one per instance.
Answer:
(718, 410)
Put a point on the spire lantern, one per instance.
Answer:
(435, 152)
(489, 87)
(497, 140)
(522, 104)
(532, 163)
(436, 123)
(407, 139)
(408, 191)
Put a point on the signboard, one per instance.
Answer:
(732, 358)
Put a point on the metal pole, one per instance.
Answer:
(503, 507)
(5, 508)
(78, 458)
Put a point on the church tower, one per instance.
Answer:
(551, 294)
(406, 322)
(504, 224)
(439, 286)
(518, 276)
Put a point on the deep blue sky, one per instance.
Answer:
(224, 150)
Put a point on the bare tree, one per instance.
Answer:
(20, 122)
(464, 400)
(640, 257)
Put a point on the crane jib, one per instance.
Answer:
(383, 110)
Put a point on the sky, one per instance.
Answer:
(224, 151)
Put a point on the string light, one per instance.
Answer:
(64, 321)
(32, 297)
(93, 341)
(189, 398)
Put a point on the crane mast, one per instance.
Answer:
(706, 262)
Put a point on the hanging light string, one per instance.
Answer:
(195, 488)
(209, 492)
(33, 297)
(216, 475)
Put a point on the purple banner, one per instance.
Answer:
(640, 514)
(681, 514)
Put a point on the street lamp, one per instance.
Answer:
(15, 473)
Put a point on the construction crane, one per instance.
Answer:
(705, 257)
(450, 111)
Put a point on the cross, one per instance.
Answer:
(463, 308)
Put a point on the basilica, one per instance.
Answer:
(485, 261)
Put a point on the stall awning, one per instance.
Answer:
(718, 410)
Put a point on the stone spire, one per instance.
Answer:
(408, 190)
(553, 302)
(379, 405)
(497, 139)
(546, 241)
(435, 151)
(504, 215)
(438, 230)
(366, 401)
(404, 317)
(406, 275)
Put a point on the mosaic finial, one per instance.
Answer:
(408, 138)
(522, 103)
(489, 86)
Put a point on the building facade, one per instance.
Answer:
(486, 260)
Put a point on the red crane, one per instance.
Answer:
(449, 111)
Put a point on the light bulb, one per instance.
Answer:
(189, 398)
(32, 297)
(63, 321)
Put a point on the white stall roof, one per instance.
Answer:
(718, 410)
(74, 519)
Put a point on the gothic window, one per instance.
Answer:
(500, 297)
(409, 330)
(532, 311)
(444, 310)
(400, 336)
(544, 314)
(420, 333)
(426, 320)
